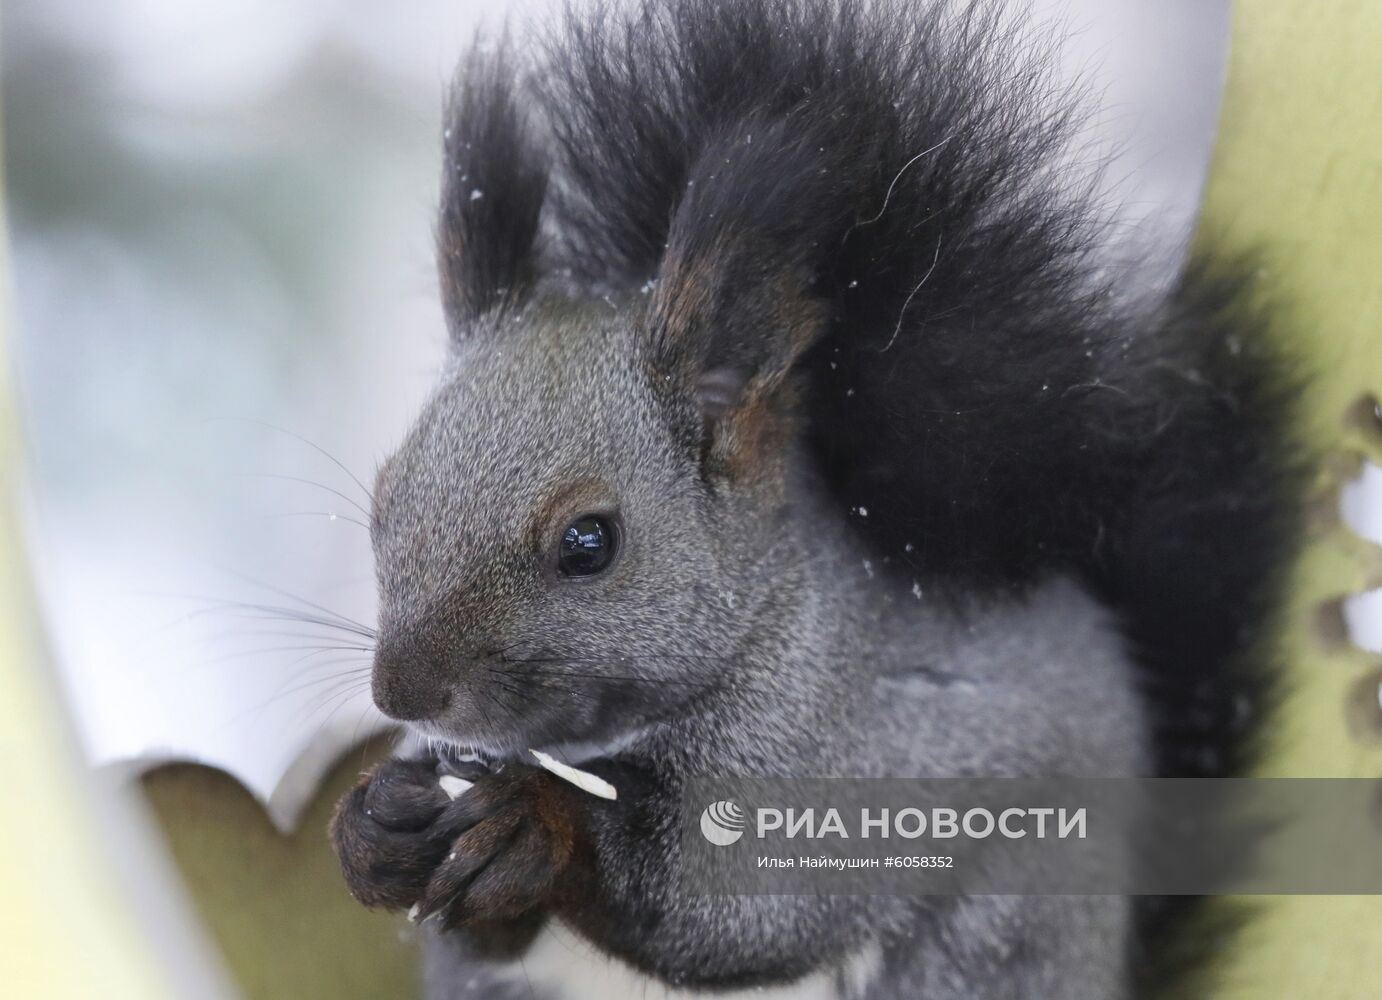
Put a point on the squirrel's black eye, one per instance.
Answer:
(587, 546)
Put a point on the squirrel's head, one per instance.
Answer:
(584, 526)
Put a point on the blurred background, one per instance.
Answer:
(220, 218)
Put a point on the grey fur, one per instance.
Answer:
(778, 651)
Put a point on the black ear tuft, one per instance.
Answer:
(493, 184)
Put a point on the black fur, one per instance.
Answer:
(988, 399)
(494, 180)
(984, 391)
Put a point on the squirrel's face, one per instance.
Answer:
(583, 529)
(567, 543)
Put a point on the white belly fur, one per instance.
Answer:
(562, 964)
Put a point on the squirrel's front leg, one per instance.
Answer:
(520, 840)
(518, 843)
(383, 833)
(508, 845)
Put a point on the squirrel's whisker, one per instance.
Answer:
(307, 482)
(318, 449)
(330, 515)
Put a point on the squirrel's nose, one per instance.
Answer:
(408, 687)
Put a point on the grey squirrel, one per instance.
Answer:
(786, 387)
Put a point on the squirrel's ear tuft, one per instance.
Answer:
(493, 185)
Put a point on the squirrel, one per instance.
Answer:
(787, 390)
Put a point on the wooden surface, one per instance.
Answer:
(276, 905)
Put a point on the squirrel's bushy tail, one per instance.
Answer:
(989, 401)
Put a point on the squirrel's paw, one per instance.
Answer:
(386, 833)
(516, 835)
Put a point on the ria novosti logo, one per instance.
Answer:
(723, 822)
